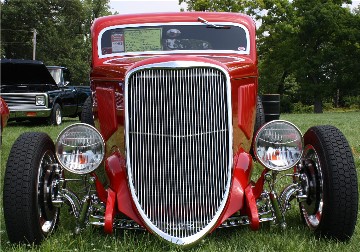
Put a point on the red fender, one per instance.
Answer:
(115, 167)
(110, 211)
(251, 208)
(240, 180)
(106, 111)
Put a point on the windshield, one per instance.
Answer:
(173, 37)
(56, 74)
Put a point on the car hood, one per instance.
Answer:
(25, 73)
(115, 68)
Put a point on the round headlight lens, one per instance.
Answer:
(80, 148)
(278, 145)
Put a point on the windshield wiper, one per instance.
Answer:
(208, 25)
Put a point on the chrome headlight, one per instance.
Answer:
(80, 148)
(278, 145)
(40, 100)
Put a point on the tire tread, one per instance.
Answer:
(340, 182)
(87, 114)
(19, 187)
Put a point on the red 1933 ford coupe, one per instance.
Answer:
(178, 129)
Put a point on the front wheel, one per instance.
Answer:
(330, 182)
(56, 115)
(29, 213)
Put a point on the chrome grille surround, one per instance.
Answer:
(23, 101)
(179, 164)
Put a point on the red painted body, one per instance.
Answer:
(4, 113)
(107, 79)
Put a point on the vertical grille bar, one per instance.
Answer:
(178, 141)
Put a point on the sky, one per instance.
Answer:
(143, 6)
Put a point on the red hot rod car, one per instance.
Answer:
(178, 124)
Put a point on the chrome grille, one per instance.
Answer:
(179, 148)
(22, 101)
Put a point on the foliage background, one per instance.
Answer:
(308, 50)
(63, 32)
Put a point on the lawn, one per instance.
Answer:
(295, 238)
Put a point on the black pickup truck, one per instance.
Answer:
(36, 92)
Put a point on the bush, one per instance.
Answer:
(300, 108)
(328, 106)
(352, 102)
(286, 106)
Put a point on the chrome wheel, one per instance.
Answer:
(47, 213)
(312, 208)
(58, 116)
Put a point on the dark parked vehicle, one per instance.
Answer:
(178, 124)
(32, 92)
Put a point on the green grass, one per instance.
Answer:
(296, 237)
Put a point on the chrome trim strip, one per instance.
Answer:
(174, 51)
(29, 109)
(220, 207)
(23, 113)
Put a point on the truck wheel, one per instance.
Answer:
(87, 114)
(56, 115)
(330, 182)
(29, 213)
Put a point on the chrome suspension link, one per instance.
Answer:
(278, 211)
(80, 208)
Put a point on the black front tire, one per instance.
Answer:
(332, 204)
(259, 121)
(29, 213)
(260, 115)
(56, 115)
(87, 113)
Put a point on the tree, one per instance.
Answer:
(315, 44)
(275, 44)
(63, 29)
(318, 60)
(215, 5)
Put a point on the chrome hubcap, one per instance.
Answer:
(312, 207)
(47, 213)
(58, 116)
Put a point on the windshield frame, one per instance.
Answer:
(101, 33)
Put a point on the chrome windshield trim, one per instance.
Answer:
(101, 56)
